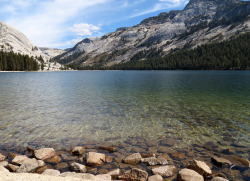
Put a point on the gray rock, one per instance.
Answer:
(165, 171)
(133, 159)
(51, 172)
(44, 153)
(30, 165)
(189, 175)
(79, 150)
(155, 178)
(2, 157)
(200, 167)
(78, 168)
(19, 159)
(95, 159)
(219, 179)
(155, 161)
(134, 175)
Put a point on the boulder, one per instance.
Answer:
(2, 157)
(189, 175)
(134, 175)
(78, 168)
(219, 179)
(110, 149)
(86, 176)
(155, 161)
(55, 159)
(12, 168)
(19, 159)
(220, 161)
(114, 172)
(155, 178)
(3, 163)
(133, 159)
(200, 167)
(103, 177)
(95, 159)
(44, 153)
(79, 150)
(165, 171)
(3, 170)
(51, 172)
(30, 165)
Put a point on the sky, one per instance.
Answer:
(63, 23)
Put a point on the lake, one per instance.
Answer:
(63, 109)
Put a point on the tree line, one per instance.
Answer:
(231, 54)
(10, 61)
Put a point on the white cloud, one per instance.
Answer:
(84, 29)
(162, 4)
(49, 20)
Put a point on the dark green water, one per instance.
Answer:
(62, 108)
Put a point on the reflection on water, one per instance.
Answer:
(65, 107)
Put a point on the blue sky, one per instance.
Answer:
(63, 23)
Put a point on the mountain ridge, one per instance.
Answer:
(198, 23)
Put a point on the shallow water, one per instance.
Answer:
(67, 108)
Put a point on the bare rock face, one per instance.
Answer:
(165, 171)
(134, 175)
(79, 150)
(78, 168)
(155, 178)
(220, 161)
(30, 165)
(51, 172)
(155, 161)
(219, 179)
(19, 159)
(189, 175)
(2, 157)
(44, 153)
(95, 159)
(133, 159)
(200, 167)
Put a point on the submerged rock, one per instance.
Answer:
(55, 159)
(110, 149)
(79, 150)
(165, 171)
(78, 168)
(189, 175)
(200, 167)
(95, 159)
(220, 161)
(134, 175)
(133, 159)
(44, 153)
(155, 161)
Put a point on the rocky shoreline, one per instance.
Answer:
(109, 162)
